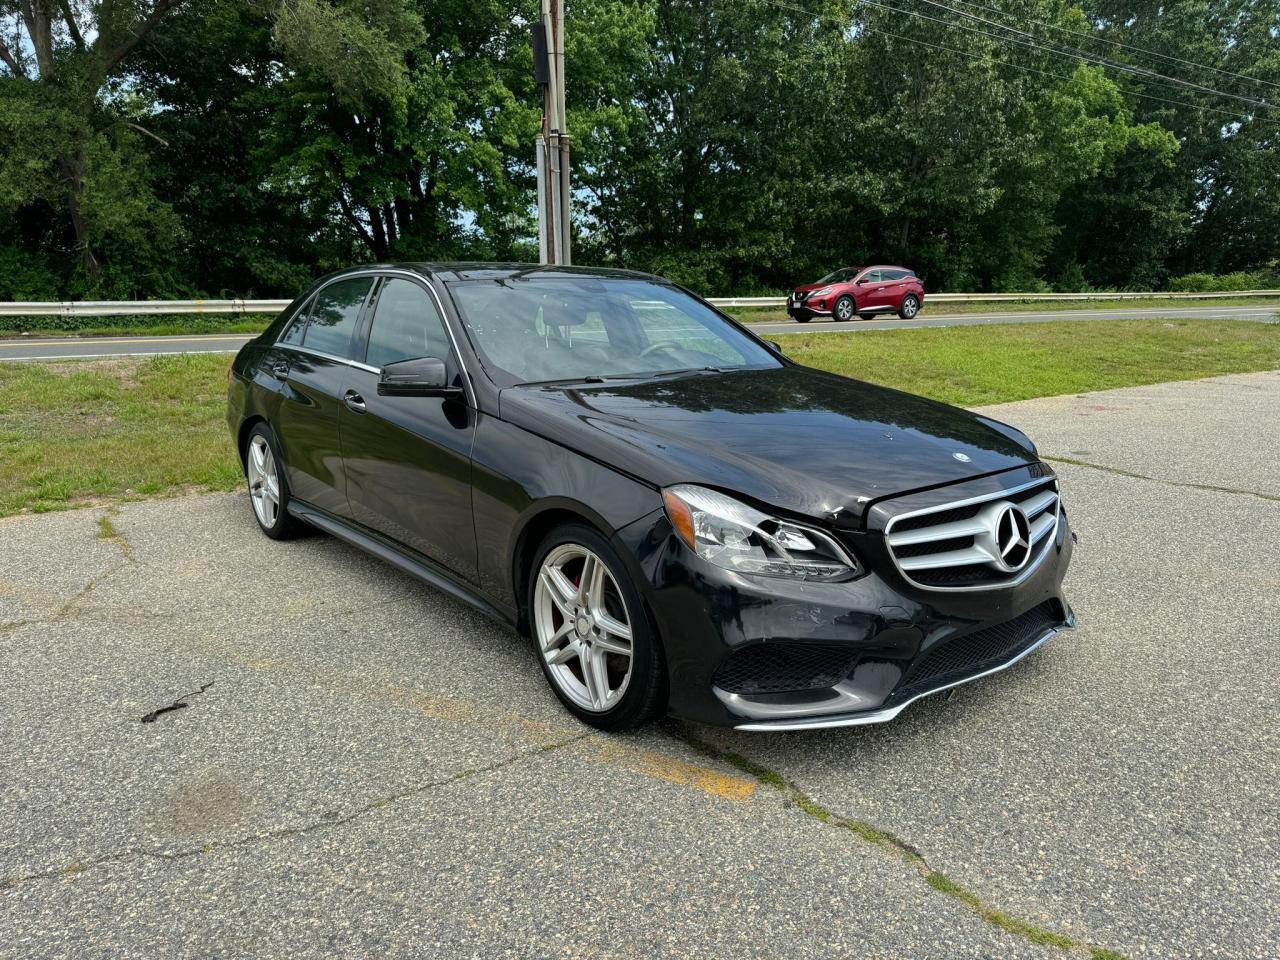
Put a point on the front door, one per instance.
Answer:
(408, 459)
(313, 367)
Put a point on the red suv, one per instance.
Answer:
(864, 291)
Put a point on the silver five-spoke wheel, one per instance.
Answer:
(583, 628)
(264, 481)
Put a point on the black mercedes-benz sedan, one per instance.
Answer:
(681, 519)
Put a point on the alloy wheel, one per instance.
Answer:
(264, 481)
(583, 628)
(844, 310)
(910, 306)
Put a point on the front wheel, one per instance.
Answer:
(594, 642)
(910, 306)
(844, 308)
(803, 318)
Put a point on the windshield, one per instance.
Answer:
(843, 275)
(533, 330)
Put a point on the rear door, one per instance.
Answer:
(407, 460)
(313, 367)
(871, 290)
(895, 287)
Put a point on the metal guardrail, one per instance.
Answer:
(120, 308)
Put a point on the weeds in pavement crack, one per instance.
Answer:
(107, 530)
(904, 852)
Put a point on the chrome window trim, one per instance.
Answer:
(1049, 537)
(329, 356)
(375, 274)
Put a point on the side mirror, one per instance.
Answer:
(863, 280)
(421, 377)
(776, 347)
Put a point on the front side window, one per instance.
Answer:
(532, 330)
(406, 325)
(334, 316)
(871, 276)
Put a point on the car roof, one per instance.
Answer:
(480, 270)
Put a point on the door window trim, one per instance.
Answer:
(363, 328)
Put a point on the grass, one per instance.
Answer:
(969, 366)
(157, 327)
(102, 430)
(94, 431)
(779, 315)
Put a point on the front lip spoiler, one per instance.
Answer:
(828, 721)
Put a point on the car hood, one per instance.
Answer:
(810, 287)
(803, 441)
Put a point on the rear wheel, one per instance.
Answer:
(844, 308)
(594, 642)
(268, 488)
(910, 306)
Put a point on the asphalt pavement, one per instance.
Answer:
(376, 769)
(83, 348)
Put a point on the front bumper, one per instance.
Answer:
(804, 310)
(766, 653)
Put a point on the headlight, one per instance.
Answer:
(732, 535)
(822, 293)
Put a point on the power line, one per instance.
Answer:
(1072, 51)
(1074, 54)
(1125, 46)
(1014, 66)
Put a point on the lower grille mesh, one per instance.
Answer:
(784, 668)
(984, 649)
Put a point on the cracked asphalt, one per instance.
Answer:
(378, 770)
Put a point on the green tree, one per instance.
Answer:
(69, 144)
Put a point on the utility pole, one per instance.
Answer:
(554, 217)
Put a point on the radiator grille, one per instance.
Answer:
(984, 543)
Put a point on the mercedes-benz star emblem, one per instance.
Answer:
(1013, 537)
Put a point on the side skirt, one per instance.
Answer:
(371, 543)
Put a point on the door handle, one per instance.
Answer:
(354, 402)
(280, 370)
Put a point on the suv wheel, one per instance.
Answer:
(910, 306)
(844, 308)
(594, 642)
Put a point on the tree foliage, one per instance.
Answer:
(161, 147)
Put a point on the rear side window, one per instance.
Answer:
(895, 274)
(406, 326)
(334, 316)
(293, 332)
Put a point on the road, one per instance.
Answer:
(72, 348)
(379, 770)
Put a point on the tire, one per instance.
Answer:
(262, 466)
(804, 319)
(866, 316)
(910, 307)
(577, 634)
(843, 309)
